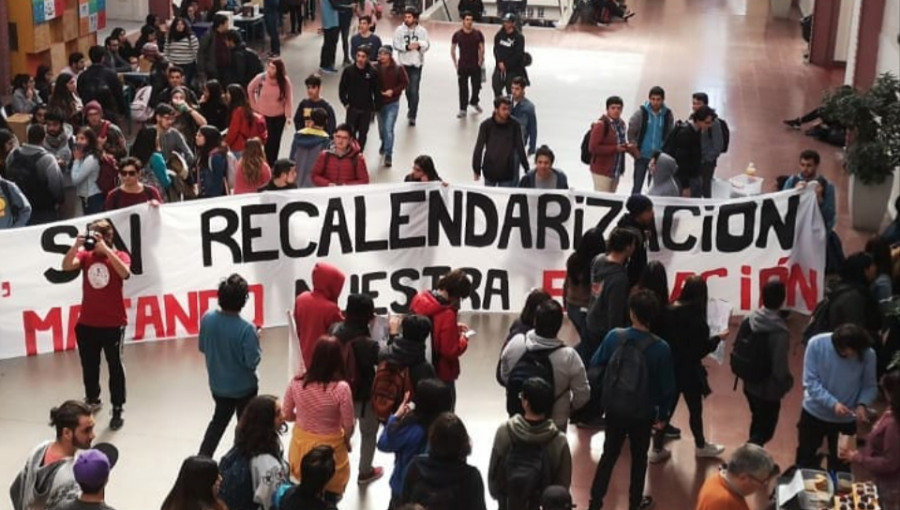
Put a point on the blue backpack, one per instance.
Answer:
(236, 490)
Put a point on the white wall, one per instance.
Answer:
(127, 10)
(888, 48)
(852, 43)
(806, 7)
(844, 31)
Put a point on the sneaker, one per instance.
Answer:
(347, 62)
(375, 474)
(672, 432)
(657, 456)
(93, 405)
(117, 420)
(792, 123)
(388, 161)
(412, 122)
(478, 108)
(646, 504)
(602, 25)
(381, 151)
(461, 114)
(328, 70)
(711, 450)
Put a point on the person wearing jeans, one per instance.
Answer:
(102, 321)
(411, 42)
(230, 345)
(393, 81)
(712, 144)
(271, 96)
(360, 93)
(839, 385)
(272, 18)
(331, 31)
(647, 130)
(470, 42)
(499, 149)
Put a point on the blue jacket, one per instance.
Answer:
(826, 204)
(659, 364)
(232, 352)
(405, 443)
(305, 149)
(828, 379)
(16, 200)
(649, 130)
(329, 15)
(528, 180)
(524, 112)
(212, 176)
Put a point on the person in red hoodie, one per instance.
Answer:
(608, 146)
(342, 163)
(448, 336)
(316, 310)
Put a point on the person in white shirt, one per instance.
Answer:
(411, 42)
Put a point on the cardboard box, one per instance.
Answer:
(18, 123)
(42, 39)
(70, 24)
(58, 57)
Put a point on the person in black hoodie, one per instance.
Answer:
(316, 469)
(408, 350)
(499, 149)
(353, 334)
(441, 479)
(608, 308)
(509, 53)
(683, 144)
(360, 93)
(685, 329)
(851, 301)
(640, 219)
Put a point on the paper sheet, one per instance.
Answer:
(378, 329)
(718, 313)
(787, 491)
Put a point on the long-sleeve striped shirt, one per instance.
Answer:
(324, 410)
(183, 51)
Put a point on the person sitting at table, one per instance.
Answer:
(113, 60)
(157, 71)
(190, 11)
(213, 54)
(175, 77)
(65, 99)
(126, 50)
(149, 34)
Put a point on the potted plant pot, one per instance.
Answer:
(868, 203)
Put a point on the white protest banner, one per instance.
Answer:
(392, 241)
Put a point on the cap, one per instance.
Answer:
(150, 50)
(509, 17)
(93, 106)
(387, 48)
(92, 467)
(556, 497)
(638, 204)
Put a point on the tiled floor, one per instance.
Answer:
(750, 65)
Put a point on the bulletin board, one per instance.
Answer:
(46, 10)
(91, 15)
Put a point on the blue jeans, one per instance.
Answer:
(696, 184)
(387, 119)
(514, 183)
(640, 173)
(412, 90)
(272, 19)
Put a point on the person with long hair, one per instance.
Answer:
(86, 169)
(126, 50)
(320, 403)
(25, 95)
(256, 442)
(423, 170)
(181, 48)
(577, 285)
(43, 82)
(196, 487)
(271, 97)
(243, 122)
(65, 99)
(654, 279)
(188, 118)
(881, 453)
(685, 329)
(146, 149)
(882, 286)
(316, 468)
(851, 300)
(406, 432)
(8, 142)
(212, 105)
(212, 164)
(252, 170)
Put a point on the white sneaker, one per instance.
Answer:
(461, 114)
(710, 450)
(657, 456)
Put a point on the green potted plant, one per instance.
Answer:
(872, 120)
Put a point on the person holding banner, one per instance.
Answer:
(101, 325)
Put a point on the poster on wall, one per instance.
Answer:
(46, 10)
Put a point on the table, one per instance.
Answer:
(250, 25)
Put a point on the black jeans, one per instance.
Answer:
(638, 434)
(694, 401)
(91, 342)
(345, 17)
(359, 120)
(763, 419)
(329, 47)
(466, 76)
(275, 128)
(225, 407)
(810, 432)
(707, 170)
(296, 15)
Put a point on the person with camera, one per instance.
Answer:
(101, 325)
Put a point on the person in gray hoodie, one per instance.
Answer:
(764, 396)
(47, 481)
(36, 172)
(308, 142)
(647, 129)
(60, 141)
(663, 183)
(608, 308)
(569, 377)
(531, 428)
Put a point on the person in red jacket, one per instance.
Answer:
(342, 163)
(608, 146)
(316, 310)
(448, 336)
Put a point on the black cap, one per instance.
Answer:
(509, 17)
(556, 497)
(638, 204)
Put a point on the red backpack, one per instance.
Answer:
(389, 387)
(108, 177)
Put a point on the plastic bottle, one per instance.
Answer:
(751, 170)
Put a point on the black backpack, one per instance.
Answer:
(13, 207)
(23, 171)
(525, 474)
(819, 321)
(586, 157)
(254, 66)
(236, 489)
(726, 135)
(534, 363)
(751, 359)
(626, 381)
(431, 494)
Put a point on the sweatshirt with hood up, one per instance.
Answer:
(40, 487)
(61, 146)
(308, 143)
(780, 381)
(663, 183)
(316, 310)
(464, 480)
(447, 344)
(542, 433)
(609, 298)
